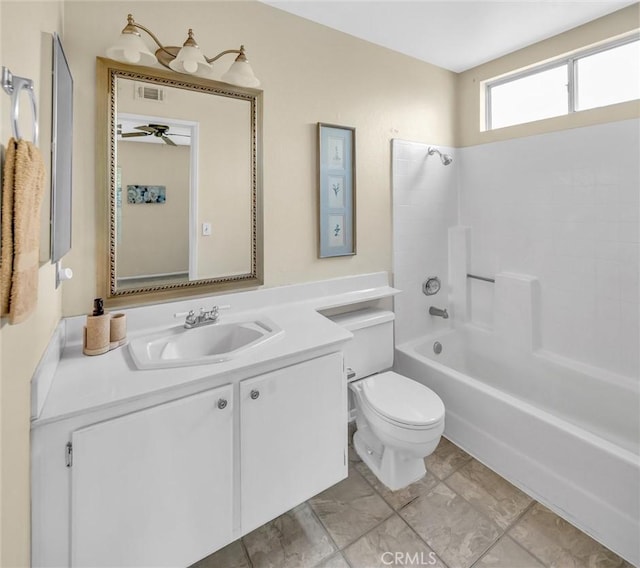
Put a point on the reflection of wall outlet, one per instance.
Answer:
(206, 229)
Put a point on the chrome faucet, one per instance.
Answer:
(438, 312)
(203, 318)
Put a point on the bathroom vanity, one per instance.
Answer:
(164, 466)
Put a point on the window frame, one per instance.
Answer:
(572, 77)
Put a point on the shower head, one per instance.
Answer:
(446, 159)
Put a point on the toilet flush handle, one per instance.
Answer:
(350, 373)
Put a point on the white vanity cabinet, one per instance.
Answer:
(155, 487)
(165, 481)
(293, 437)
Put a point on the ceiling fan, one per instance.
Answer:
(157, 130)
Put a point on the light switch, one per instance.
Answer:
(206, 229)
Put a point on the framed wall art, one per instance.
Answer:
(336, 190)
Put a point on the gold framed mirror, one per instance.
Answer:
(179, 164)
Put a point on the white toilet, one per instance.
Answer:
(399, 421)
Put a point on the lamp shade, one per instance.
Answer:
(241, 74)
(131, 49)
(190, 60)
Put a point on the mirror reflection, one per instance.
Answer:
(152, 198)
(184, 193)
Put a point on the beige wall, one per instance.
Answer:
(224, 190)
(309, 73)
(25, 49)
(155, 237)
(468, 88)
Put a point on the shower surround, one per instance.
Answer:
(554, 220)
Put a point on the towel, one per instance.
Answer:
(22, 191)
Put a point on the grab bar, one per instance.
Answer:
(483, 278)
(13, 85)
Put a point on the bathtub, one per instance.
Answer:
(565, 433)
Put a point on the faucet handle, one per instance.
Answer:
(190, 313)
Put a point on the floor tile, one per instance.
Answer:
(350, 508)
(398, 499)
(292, 540)
(392, 543)
(507, 554)
(335, 561)
(491, 494)
(558, 543)
(354, 458)
(451, 526)
(231, 556)
(446, 459)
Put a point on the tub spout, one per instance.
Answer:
(438, 312)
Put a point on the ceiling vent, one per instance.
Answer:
(150, 93)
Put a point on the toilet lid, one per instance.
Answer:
(403, 400)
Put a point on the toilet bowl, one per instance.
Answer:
(399, 421)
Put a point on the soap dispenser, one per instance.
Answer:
(97, 330)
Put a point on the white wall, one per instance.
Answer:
(425, 202)
(563, 207)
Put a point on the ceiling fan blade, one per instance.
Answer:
(146, 128)
(168, 140)
(134, 134)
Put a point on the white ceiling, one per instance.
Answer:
(454, 34)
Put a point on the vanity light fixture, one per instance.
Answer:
(130, 48)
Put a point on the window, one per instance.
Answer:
(592, 78)
(608, 77)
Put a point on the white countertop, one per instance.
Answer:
(82, 384)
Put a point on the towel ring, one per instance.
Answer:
(13, 85)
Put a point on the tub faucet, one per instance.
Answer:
(438, 312)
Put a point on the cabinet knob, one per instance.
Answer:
(255, 393)
(222, 403)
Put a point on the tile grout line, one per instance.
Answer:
(246, 551)
(366, 533)
(393, 512)
(326, 530)
(418, 535)
(521, 545)
(503, 532)
(465, 462)
(397, 512)
(443, 480)
(506, 533)
(477, 509)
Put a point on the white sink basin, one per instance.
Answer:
(213, 343)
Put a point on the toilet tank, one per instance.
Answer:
(371, 349)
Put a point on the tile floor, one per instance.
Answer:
(460, 515)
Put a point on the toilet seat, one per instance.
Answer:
(402, 401)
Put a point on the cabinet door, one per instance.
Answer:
(293, 437)
(154, 488)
